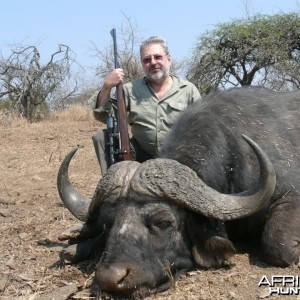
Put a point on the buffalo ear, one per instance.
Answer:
(212, 252)
(210, 245)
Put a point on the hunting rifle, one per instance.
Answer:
(118, 144)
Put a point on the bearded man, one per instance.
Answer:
(153, 103)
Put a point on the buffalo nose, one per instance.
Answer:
(112, 278)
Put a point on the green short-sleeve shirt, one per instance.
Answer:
(150, 118)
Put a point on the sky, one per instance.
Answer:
(80, 24)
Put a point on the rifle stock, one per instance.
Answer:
(124, 143)
(122, 124)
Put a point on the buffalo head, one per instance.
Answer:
(159, 218)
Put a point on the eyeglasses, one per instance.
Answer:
(157, 58)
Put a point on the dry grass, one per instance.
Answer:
(75, 113)
(11, 119)
(31, 214)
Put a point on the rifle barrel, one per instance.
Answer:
(124, 143)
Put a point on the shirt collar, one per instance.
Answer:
(177, 82)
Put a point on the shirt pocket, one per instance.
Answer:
(178, 106)
(174, 109)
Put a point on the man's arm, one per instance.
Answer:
(103, 96)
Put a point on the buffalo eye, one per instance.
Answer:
(163, 224)
(159, 219)
(159, 223)
(158, 227)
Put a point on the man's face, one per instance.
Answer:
(156, 62)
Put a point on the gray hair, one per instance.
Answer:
(155, 40)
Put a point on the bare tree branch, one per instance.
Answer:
(30, 84)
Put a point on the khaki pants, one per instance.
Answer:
(99, 141)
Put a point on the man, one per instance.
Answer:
(153, 103)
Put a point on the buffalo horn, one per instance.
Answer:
(170, 180)
(114, 184)
(76, 203)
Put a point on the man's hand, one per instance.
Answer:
(114, 78)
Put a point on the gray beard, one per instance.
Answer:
(159, 76)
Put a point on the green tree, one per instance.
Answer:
(260, 50)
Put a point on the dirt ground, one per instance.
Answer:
(32, 218)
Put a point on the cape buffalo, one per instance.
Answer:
(207, 189)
